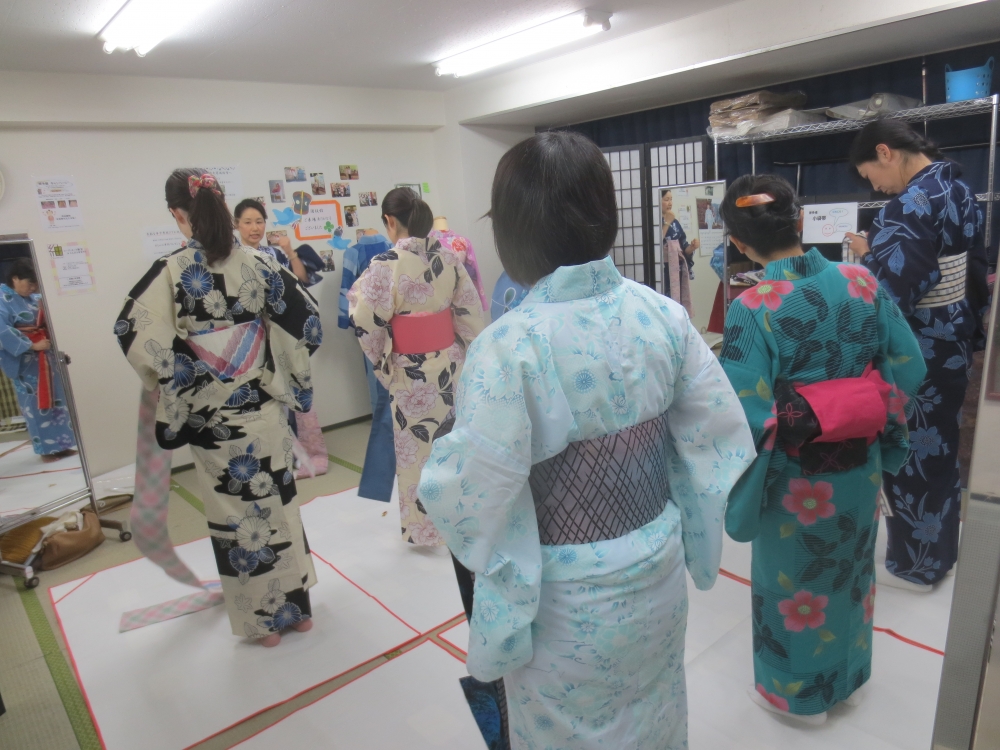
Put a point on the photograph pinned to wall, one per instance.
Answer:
(318, 183)
(231, 179)
(349, 172)
(367, 199)
(326, 255)
(351, 214)
(295, 174)
(301, 200)
(414, 186)
(71, 267)
(277, 189)
(260, 199)
(695, 207)
(274, 235)
(58, 203)
(161, 240)
(340, 189)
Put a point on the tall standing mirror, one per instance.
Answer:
(43, 464)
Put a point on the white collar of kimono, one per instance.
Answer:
(568, 283)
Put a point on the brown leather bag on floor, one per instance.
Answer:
(67, 546)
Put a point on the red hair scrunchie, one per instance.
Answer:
(206, 181)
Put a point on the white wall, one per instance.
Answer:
(120, 175)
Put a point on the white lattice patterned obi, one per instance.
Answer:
(951, 287)
(229, 353)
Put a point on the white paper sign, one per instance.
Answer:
(231, 179)
(827, 222)
(59, 203)
(162, 240)
(319, 224)
(71, 266)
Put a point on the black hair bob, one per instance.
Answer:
(22, 268)
(246, 203)
(769, 227)
(553, 204)
(895, 134)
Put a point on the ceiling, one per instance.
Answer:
(378, 43)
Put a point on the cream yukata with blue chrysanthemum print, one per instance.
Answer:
(228, 346)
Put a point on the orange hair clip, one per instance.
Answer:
(746, 201)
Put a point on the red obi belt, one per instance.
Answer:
(828, 426)
(41, 333)
(422, 332)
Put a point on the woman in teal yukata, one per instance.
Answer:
(824, 364)
(596, 440)
(23, 345)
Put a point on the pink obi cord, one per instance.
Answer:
(849, 407)
(422, 332)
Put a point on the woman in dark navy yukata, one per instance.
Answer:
(926, 249)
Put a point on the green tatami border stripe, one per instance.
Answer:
(345, 464)
(186, 495)
(62, 675)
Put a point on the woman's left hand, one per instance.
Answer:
(858, 244)
(694, 245)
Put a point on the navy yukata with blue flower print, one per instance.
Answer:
(932, 223)
(228, 345)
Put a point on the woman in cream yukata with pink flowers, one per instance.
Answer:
(415, 312)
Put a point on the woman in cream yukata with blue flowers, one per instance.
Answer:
(595, 444)
(226, 333)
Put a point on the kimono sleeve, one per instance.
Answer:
(904, 254)
(475, 490)
(349, 274)
(752, 370)
(294, 333)
(710, 446)
(146, 327)
(902, 366)
(12, 341)
(467, 308)
(371, 305)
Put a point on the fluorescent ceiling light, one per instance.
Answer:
(524, 43)
(142, 24)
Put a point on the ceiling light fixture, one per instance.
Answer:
(524, 43)
(142, 24)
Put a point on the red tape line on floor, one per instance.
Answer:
(887, 631)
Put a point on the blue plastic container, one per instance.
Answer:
(972, 83)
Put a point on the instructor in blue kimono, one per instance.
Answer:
(926, 248)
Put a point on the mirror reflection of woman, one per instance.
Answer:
(678, 254)
(26, 359)
(927, 251)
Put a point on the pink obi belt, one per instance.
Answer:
(829, 425)
(422, 332)
(229, 353)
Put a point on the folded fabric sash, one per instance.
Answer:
(230, 353)
(44, 369)
(422, 332)
(149, 526)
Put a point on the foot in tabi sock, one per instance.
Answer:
(884, 578)
(274, 639)
(858, 696)
(774, 705)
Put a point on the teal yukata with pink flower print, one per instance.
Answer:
(813, 532)
(596, 439)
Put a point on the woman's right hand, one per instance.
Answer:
(41, 346)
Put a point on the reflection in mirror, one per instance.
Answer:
(43, 471)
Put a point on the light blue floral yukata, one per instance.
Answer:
(51, 430)
(595, 444)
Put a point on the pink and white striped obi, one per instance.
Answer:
(230, 353)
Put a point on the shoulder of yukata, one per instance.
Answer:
(159, 266)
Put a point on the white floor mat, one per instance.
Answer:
(27, 482)
(172, 684)
(413, 702)
(361, 539)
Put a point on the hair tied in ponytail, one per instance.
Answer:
(206, 181)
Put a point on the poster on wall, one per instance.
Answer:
(414, 186)
(320, 223)
(59, 203)
(161, 240)
(231, 180)
(827, 222)
(71, 267)
(694, 209)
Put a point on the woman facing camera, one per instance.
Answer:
(223, 334)
(824, 364)
(595, 443)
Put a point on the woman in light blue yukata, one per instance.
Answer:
(595, 444)
(25, 358)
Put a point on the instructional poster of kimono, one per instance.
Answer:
(71, 266)
(694, 212)
(59, 203)
(162, 240)
(827, 222)
(231, 179)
